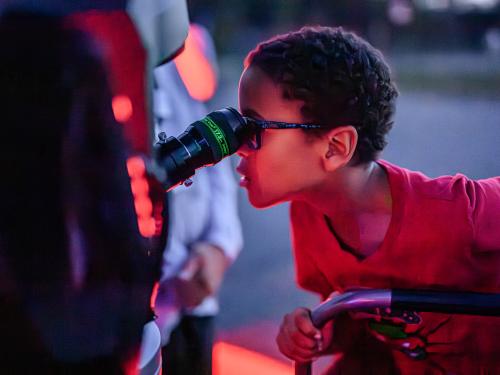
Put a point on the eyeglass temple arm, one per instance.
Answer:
(264, 124)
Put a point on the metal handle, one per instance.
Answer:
(471, 303)
(338, 303)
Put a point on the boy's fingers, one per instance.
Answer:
(303, 322)
(293, 342)
(293, 351)
(190, 269)
(299, 339)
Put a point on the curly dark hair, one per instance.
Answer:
(341, 78)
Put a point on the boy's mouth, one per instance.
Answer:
(244, 180)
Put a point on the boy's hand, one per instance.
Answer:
(298, 339)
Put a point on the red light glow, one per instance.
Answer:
(230, 359)
(139, 186)
(142, 201)
(143, 206)
(147, 226)
(154, 294)
(122, 108)
(136, 167)
(194, 68)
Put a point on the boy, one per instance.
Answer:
(362, 222)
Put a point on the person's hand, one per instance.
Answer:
(298, 339)
(213, 265)
(202, 275)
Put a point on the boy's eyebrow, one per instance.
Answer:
(251, 113)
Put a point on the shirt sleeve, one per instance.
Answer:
(484, 196)
(174, 257)
(224, 228)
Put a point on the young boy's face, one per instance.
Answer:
(287, 164)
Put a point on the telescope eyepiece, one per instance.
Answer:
(205, 142)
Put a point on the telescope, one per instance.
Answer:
(77, 262)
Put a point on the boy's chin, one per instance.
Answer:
(260, 203)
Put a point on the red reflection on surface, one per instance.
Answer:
(122, 108)
(194, 68)
(231, 359)
(154, 294)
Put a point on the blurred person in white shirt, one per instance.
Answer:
(205, 233)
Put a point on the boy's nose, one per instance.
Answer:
(243, 151)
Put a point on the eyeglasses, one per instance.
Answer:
(255, 142)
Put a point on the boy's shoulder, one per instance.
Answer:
(417, 184)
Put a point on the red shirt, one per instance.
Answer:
(444, 234)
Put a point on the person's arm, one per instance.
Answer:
(212, 263)
(224, 230)
(194, 274)
(222, 241)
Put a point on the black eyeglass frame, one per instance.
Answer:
(264, 124)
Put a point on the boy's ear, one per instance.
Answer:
(340, 144)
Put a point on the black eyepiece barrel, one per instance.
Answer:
(204, 142)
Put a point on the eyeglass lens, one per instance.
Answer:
(254, 142)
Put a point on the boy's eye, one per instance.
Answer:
(254, 139)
